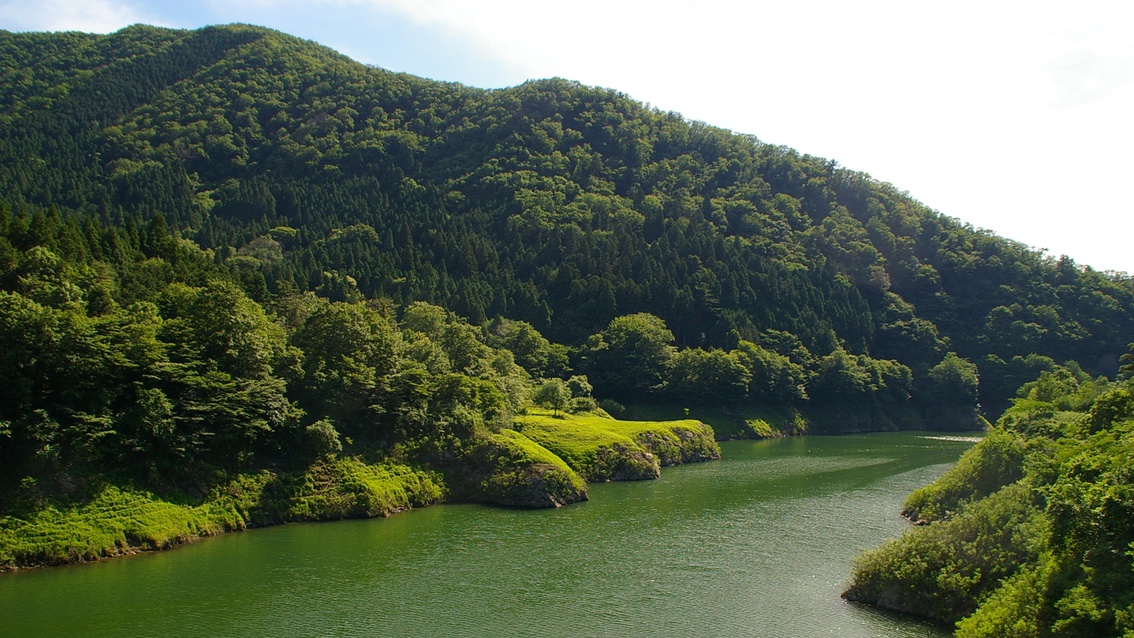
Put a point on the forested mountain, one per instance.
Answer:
(228, 247)
(551, 203)
(246, 280)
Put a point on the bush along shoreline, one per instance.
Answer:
(1029, 535)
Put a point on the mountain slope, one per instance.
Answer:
(554, 203)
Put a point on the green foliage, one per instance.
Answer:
(532, 351)
(612, 407)
(953, 380)
(553, 394)
(115, 521)
(1014, 610)
(207, 238)
(591, 448)
(1001, 379)
(581, 405)
(706, 377)
(996, 461)
(322, 438)
(176, 393)
(950, 394)
(347, 351)
(728, 423)
(631, 356)
(774, 377)
(1126, 371)
(526, 474)
(561, 206)
(943, 571)
(1048, 555)
(843, 379)
(348, 488)
(1066, 388)
(1111, 408)
(603, 449)
(1052, 404)
(580, 386)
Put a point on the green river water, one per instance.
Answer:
(757, 544)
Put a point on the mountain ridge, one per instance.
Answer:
(551, 202)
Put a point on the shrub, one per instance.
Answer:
(580, 405)
(322, 438)
(613, 408)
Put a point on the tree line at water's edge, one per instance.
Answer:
(1031, 534)
(245, 280)
(131, 353)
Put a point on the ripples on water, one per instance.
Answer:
(759, 544)
(962, 439)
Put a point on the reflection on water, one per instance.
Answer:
(963, 439)
(758, 544)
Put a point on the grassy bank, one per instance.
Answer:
(522, 473)
(112, 520)
(542, 463)
(602, 449)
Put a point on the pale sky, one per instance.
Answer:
(1014, 116)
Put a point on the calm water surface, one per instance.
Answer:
(758, 544)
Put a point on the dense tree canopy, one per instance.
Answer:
(229, 249)
(631, 356)
(558, 206)
(1030, 534)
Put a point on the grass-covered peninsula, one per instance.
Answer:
(503, 468)
(605, 449)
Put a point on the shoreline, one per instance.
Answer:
(506, 469)
(249, 502)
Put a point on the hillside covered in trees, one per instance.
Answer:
(551, 203)
(229, 250)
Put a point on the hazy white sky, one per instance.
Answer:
(1014, 116)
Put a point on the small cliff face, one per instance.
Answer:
(890, 599)
(534, 486)
(622, 462)
(509, 469)
(691, 442)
